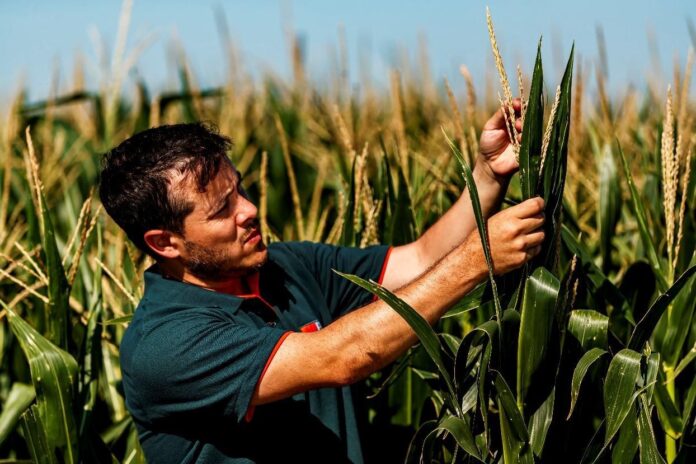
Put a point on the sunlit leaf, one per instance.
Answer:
(532, 132)
(581, 369)
(641, 217)
(53, 373)
(35, 436)
(609, 204)
(460, 430)
(619, 386)
(17, 402)
(589, 328)
(536, 322)
(649, 454)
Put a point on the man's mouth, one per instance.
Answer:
(253, 235)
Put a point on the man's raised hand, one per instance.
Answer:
(497, 156)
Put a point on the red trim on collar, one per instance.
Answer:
(255, 288)
(250, 411)
(384, 270)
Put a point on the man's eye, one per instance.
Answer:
(223, 210)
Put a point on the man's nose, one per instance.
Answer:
(247, 211)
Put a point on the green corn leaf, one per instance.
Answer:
(480, 223)
(652, 371)
(624, 449)
(507, 400)
(674, 326)
(415, 447)
(348, 236)
(513, 430)
(554, 169)
(600, 284)
(609, 205)
(402, 229)
(118, 320)
(53, 373)
(641, 217)
(649, 454)
(619, 387)
(683, 364)
(532, 132)
(667, 411)
(537, 316)
(35, 436)
(581, 369)
(470, 350)
(469, 398)
(17, 402)
(425, 375)
(690, 400)
(460, 430)
(90, 365)
(58, 309)
(465, 362)
(540, 422)
(23, 190)
(420, 326)
(474, 352)
(472, 300)
(589, 327)
(647, 324)
(451, 342)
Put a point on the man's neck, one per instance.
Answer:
(239, 286)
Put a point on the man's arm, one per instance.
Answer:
(373, 336)
(494, 166)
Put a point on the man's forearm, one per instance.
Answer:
(375, 335)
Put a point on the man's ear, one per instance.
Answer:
(163, 242)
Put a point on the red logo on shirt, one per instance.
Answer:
(311, 327)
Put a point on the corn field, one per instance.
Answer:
(584, 355)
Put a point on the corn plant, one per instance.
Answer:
(509, 388)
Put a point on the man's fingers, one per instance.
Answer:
(530, 208)
(533, 223)
(532, 252)
(535, 239)
(497, 121)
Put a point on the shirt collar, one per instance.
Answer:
(172, 292)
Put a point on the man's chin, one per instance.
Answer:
(251, 265)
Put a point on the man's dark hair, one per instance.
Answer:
(135, 185)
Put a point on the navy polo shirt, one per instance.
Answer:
(191, 359)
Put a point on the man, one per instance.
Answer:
(240, 352)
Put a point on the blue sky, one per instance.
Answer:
(37, 37)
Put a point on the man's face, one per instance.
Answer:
(222, 238)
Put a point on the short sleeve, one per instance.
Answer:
(200, 365)
(342, 295)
